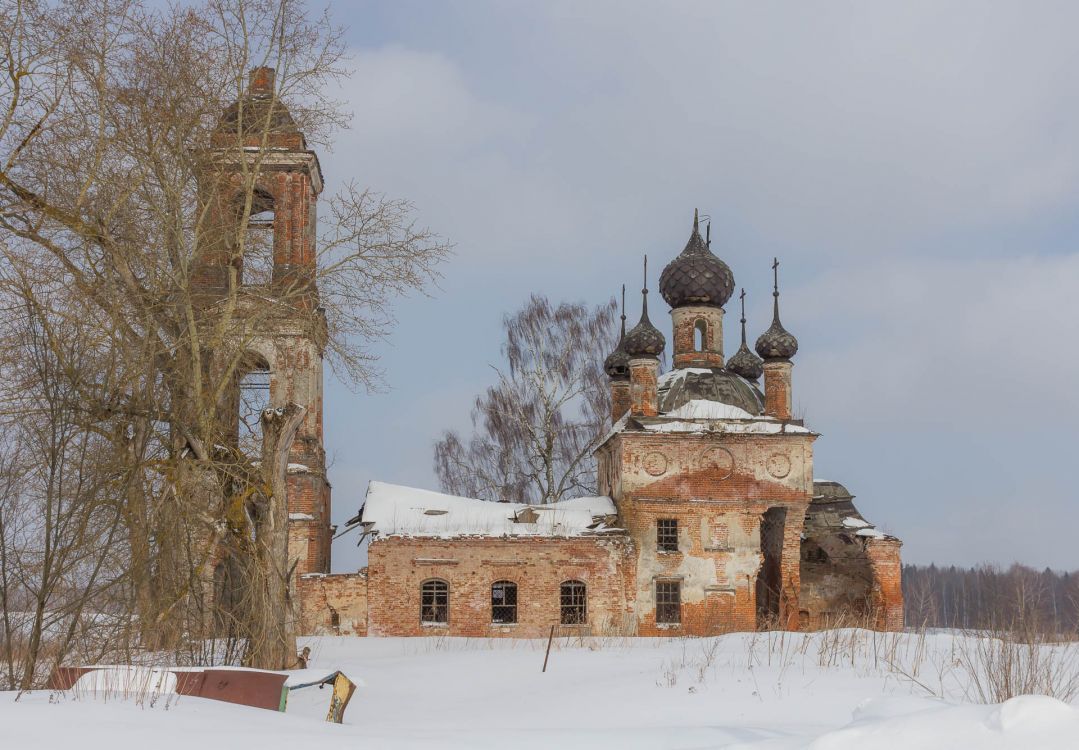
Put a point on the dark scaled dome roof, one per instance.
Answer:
(644, 339)
(777, 342)
(679, 387)
(617, 363)
(696, 276)
(745, 363)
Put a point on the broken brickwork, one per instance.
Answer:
(261, 184)
(333, 604)
(709, 519)
(398, 567)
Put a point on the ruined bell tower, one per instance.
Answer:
(258, 274)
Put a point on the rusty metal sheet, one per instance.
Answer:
(63, 678)
(243, 686)
(246, 687)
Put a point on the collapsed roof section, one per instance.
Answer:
(832, 512)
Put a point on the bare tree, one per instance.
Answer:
(122, 125)
(60, 522)
(533, 432)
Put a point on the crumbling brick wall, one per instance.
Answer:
(398, 566)
(850, 571)
(333, 604)
(887, 589)
(718, 487)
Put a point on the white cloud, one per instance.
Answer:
(985, 342)
(916, 165)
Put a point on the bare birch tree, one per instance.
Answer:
(533, 432)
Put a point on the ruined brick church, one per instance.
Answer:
(709, 518)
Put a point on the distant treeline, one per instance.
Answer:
(991, 597)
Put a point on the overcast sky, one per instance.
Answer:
(915, 166)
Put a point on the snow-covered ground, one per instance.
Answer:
(828, 691)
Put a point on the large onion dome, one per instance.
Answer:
(744, 362)
(644, 339)
(696, 276)
(776, 342)
(617, 363)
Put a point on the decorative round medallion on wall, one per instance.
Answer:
(719, 460)
(655, 463)
(778, 465)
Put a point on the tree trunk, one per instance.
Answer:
(273, 621)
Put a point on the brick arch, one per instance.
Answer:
(701, 326)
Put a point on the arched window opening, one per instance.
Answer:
(434, 602)
(574, 598)
(504, 603)
(254, 398)
(699, 329)
(257, 263)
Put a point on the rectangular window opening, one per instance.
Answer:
(504, 603)
(574, 603)
(667, 535)
(668, 602)
(435, 603)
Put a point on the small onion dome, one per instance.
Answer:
(776, 342)
(617, 363)
(696, 276)
(644, 339)
(746, 363)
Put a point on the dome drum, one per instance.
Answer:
(698, 336)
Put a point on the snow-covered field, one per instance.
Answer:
(828, 691)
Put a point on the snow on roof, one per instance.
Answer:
(720, 418)
(703, 409)
(677, 374)
(395, 510)
(864, 528)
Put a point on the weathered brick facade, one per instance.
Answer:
(333, 604)
(695, 324)
(397, 567)
(717, 487)
(258, 163)
(716, 524)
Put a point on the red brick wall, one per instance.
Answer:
(777, 389)
(717, 486)
(620, 399)
(887, 585)
(685, 321)
(643, 388)
(333, 604)
(397, 567)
